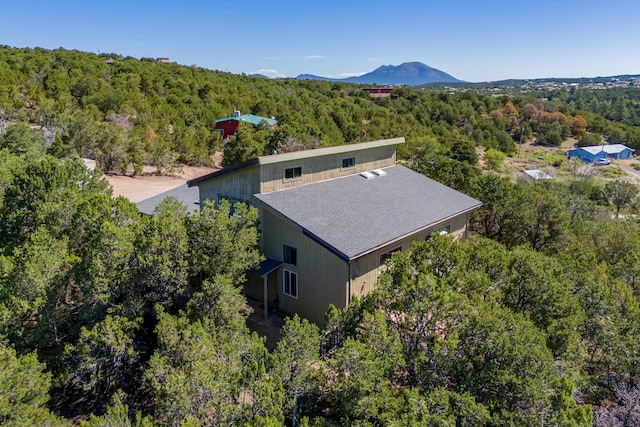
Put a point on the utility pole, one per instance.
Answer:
(521, 136)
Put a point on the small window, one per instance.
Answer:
(290, 283)
(385, 256)
(233, 202)
(293, 173)
(349, 163)
(442, 231)
(290, 255)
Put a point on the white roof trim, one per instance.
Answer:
(608, 149)
(325, 151)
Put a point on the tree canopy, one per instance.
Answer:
(112, 317)
(125, 113)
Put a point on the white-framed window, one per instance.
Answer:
(442, 231)
(348, 163)
(289, 255)
(386, 255)
(294, 172)
(290, 283)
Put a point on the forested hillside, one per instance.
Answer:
(110, 317)
(130, 112)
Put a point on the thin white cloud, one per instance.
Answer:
(268, 72)
(345, 75)
(314, 57)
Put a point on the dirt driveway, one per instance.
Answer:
(141, 187)
(634, 174)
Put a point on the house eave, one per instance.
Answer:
(343, 256)
(220, 172)
(326, 151)
(411, 233)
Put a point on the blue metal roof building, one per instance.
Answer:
(595, 152)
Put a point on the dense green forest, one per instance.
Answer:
(111, 317)
(136, 112)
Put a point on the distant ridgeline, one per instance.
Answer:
(408, 73)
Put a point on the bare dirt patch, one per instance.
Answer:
(149, 183)
(531, 155)
(141, 187)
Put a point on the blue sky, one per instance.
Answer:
(481, 40)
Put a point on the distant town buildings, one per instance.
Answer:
(520, 86)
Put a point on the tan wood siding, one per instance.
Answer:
(322, 276)
(325, 167)
(241, 185)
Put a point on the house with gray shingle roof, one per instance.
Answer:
(331, 217)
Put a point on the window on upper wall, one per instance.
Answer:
(290, 283)
(293, 173)
(349, 163)
(290, 255)
(442, 231)
(384, 257)
(233, 201)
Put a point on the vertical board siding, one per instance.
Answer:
(325, 167)
(322, 277)
(241, 184)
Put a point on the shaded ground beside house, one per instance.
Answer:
(269, 327)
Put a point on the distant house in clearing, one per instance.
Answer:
(595, 152)
(163, 60)
(228, 126)
(379, 92)
(535, 175)
(331, 217)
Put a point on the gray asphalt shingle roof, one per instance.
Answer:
(353, 215)
(187, 195)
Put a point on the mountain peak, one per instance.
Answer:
(408, 73)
